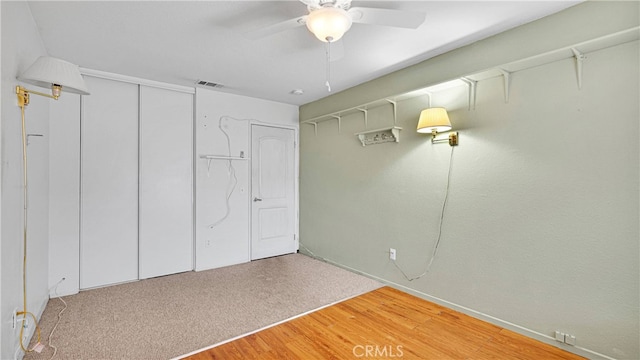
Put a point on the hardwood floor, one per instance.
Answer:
(385, 323)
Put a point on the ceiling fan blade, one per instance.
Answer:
(387, 17)
(311, 3)
(276, 28)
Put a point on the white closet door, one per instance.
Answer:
(109, 184)
(166, 159)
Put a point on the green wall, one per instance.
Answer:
(540, 232)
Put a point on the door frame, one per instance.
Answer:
(296, 180)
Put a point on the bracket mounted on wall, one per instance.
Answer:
(379, 136)
(579, 57)
(366, 119)
(339, 118)
(472, 91)
(395, 112)
(506, 77)
(315, 126)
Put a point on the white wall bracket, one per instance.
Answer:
(579, 58)
(472, 91)
(395, 113)
(506, 77)
(315, 126)
(366, 117)
(29, 137)
(339, 118)
(224, 157)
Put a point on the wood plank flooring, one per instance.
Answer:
(385, 323)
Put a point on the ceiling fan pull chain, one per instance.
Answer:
(328, 65)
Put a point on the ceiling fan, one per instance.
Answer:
(329, 20)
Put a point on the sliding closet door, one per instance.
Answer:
(109, 184)
(166, 206)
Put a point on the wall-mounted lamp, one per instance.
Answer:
(56, 74)
(434, 121)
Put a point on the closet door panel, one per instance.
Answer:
(166, 182)
(109, 184)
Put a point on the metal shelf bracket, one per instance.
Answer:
(339, 118)
(506, 77)
(472, 91)
(395, 113)
(579, 58)
(315, 126)
(366, 119)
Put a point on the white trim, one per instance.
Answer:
(137, 81)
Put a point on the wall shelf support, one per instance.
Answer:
(224, 157)
(395, 113)
(472, 91)
(366, 119)
(506, 77)
(339, 118)
(315, 126)
(579, 58)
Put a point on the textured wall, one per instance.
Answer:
(541, 225)
(227, 242)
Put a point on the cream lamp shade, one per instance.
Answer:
(48, 71)
(328, 24)
(434, 119)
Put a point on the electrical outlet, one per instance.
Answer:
(392, 253)
(565, 338)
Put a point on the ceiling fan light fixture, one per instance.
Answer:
(329, 23)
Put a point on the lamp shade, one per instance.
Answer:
(328, 24)
(434, 119)
(47, 71)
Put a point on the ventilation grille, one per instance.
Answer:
(209, 84)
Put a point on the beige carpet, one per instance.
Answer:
(170, 316)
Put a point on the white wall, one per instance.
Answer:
(228, 242)
(21, 45)
(64, 192)
(541, 226)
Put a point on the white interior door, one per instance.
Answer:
(109, 184)
(273, 192)
(166, 206)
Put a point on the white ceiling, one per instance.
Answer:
(180, 42)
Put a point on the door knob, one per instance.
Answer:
(256, 199)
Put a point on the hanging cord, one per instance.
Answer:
(328, 51)
(233, 179)
(24, 311)
(55, 291)
(436, 246)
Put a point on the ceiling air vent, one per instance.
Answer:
(209, 84)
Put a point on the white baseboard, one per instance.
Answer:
(578, 350)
